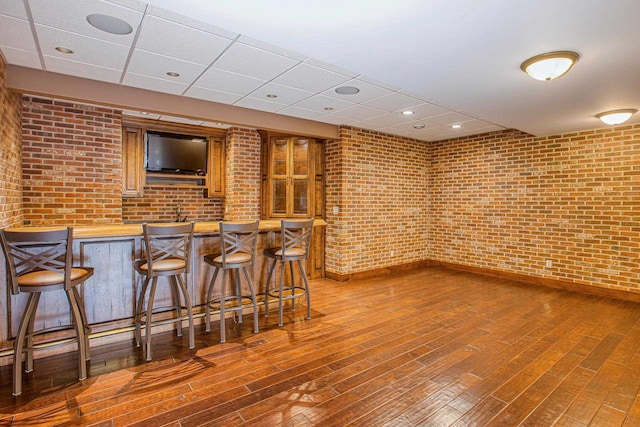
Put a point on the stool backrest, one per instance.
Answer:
(33, 251)
(296, 237)
(236, 238)
(168, 241)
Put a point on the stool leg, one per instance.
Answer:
(282, 265)
(85, 322)
(268, 285)
(139, 310)
(253, 299)
(293, 286)
(236, 275)
(78, 323)
(18, 345)
(223, 300)
(187, 301)
(175, 293)
(149, 315)
(306, 287)
(29, 340)
(209, 295)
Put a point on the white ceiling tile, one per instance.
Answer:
(393, 102)
(320, 103)
(253, 62)
(477, 124)
(225, 81)
(271, 48)
(409, 126)
(86, 49)
(73, 17)
(190, 22)
(309, 77)
(378, 83)
(13, 8)
(259, 104)
(360, 112)
(335, 119)
(302, 113)
(16, 33)
(449, 119)
(212, 95)
(392, 119)
(285, 94)
(131, 4)
(168, 38)
(21, 57)
(367, 91)
(331, 67)
(426, 110)
(150, 83)
(154, 65)
(80, 69)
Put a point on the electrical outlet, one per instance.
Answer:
(336, 210)
(548, 263)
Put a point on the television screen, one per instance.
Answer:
(168, 152)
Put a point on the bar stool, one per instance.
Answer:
(37, 262)
(237, 253)
(167, 249)
(296, 236)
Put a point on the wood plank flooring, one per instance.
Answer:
(429, 347)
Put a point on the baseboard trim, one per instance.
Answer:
(531, 280)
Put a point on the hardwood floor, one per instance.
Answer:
(429, 347)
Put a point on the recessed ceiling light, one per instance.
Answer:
(109, 24)
(271, 95)
(173, 74)
(144, 113)
(407, 112)
(615, 117)
(64, 50)
(328, 108)
(456, 126)
(549, 66)
(347, 90)
(418, 126)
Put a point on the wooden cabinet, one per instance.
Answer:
(134, 176)
(292, 186)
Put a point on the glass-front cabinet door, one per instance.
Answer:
(288, 177)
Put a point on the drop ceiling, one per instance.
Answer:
(450, 62)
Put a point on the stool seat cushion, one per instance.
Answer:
(48, 277)
(165, 264)
(290, 252)
(235, 258)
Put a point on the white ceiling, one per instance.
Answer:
(449, 61)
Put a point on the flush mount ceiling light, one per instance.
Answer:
(418, 126)
(407, 112)
(615, 117)
(109, 24)
(347, 90)
(549, 66)
(271, 95)
(64, 50)
(456, 126)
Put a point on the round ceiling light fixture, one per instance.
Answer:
(109, 24)
(549, 66)
(615, 117)
(173, 74)
(347, 90)
(64, 50)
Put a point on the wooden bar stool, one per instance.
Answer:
(237, 253)
(167, 254)
(37, 262)
(296, 237)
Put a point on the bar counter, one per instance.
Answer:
(109, 296)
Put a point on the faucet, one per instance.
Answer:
(179, 216)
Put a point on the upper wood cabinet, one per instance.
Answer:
(134, 176)
(292, 177)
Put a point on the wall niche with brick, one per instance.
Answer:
(136, 179)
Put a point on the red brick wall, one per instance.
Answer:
(379, 184)
(72, 163)
(160, 204)
(510, 201)
(242, 185)
(10, 154)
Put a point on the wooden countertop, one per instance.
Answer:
(114, 230)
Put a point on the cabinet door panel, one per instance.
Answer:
(300, 197)
(279, 196)
(300, 157)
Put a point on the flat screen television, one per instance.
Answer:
(175, 153)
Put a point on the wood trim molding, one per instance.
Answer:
(531, 280)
